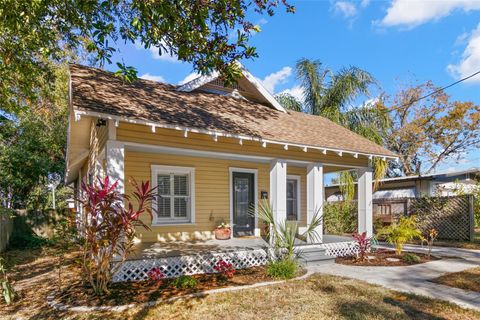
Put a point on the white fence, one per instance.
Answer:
(6, 228)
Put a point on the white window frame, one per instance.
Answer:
(299, 196)
(161, 169)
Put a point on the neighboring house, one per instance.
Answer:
(437, 184)
(211, 150)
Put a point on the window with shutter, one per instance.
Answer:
(174, 201)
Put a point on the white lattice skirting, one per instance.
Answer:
(340, 249)
(171, 267)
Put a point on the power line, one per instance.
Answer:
(446, 87)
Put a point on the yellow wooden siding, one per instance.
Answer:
(174, 138)
(212, 191)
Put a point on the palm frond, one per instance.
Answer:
(289, 102)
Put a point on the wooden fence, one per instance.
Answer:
(452, 217)
(6, 228)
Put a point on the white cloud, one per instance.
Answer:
(470, 60)
(189, 78)
(364, 3)
(166, 55)
(296, 91)
(347, 9)
(408, 13)
(148, 76)
(273, 79)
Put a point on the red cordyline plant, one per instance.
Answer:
(155, 274)
(363, 244)
(108, 225)
(225, 268)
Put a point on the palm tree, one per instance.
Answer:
(330, 94)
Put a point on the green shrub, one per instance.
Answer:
(184, 282)
(399, 233)
(411, 258)
(26, 240)
(282, 269)
(339, 217)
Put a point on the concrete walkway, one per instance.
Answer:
(414, 279)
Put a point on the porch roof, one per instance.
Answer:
(102, 93)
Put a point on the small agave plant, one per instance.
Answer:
(282, 235)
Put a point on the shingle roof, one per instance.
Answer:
(102, 92)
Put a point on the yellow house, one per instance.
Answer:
(211, 150)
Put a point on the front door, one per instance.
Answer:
(243, 199)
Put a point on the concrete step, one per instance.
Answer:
(314, 255)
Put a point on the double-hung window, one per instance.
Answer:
(175, 195)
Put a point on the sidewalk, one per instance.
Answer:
(414, 279)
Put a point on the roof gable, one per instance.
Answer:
(247, 87)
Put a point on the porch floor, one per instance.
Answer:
(156, 250)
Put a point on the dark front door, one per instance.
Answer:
(243, 200)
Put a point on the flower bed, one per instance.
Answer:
(385, 258)
(122, 293)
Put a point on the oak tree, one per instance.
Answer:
(427, 132)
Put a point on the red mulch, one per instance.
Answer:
(143, 291)
(380, 259)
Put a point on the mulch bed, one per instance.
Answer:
(380, 259)
(122, 293)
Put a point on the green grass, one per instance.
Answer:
(468, 279)
(317, 297)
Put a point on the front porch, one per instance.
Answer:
(194, 257)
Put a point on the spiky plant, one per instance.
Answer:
(283, 234)
(400, 233)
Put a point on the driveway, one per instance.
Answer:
(415, 279)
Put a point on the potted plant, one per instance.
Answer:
(223, 231)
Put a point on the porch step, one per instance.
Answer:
(311, 256)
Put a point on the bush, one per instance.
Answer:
(339, 217)
(109, 228)
(26, 240)
(399, 233)
(282, 269)
(185, 282)
(225, 269)
(411, 258)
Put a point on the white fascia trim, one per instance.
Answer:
(155, 170)
(263, 91)
(299, 195)
(202, 80)
(231, 170)
(324, 150)
(198, 82)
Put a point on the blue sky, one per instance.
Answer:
(399, 42)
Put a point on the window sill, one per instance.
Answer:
(172, 223)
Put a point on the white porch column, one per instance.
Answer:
(365, 203)
(278, 189)
(115, 163)
(315, 198)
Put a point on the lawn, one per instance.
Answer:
(319, 297)
(468, 279)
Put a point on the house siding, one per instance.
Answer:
(212, 192)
